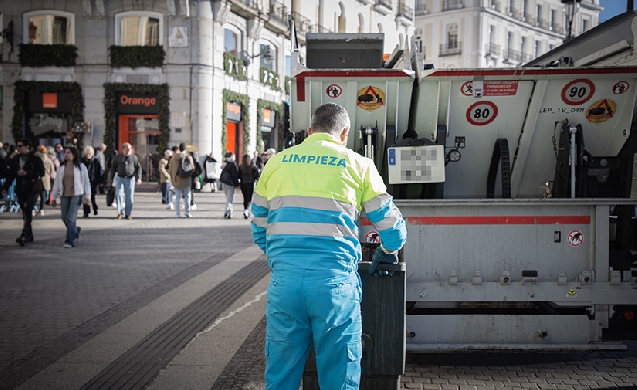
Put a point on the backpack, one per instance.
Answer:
(186, 167)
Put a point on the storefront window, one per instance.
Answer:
(49, 28)
(139, 29)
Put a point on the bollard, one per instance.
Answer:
(383, 313)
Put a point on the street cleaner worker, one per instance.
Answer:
(305, 209)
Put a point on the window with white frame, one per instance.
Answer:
(139, 28)
(268, 55)
(49, 28)
(452, 36)
(232, 40)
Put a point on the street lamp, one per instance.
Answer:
(266, 53)
(570, 9)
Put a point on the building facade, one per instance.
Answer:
(497, 33)
(211, 73)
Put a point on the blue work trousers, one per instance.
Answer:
(126, 187)
(322, 306)
(69, 206)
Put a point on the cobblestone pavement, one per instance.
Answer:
(70, 317)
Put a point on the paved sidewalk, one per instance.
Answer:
(165, 303)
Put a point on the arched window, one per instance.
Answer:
(139, 28)
(232, 40)
(49, 28)
(268, 55)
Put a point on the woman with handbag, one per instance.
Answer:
(73, 187)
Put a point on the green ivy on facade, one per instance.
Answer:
(137, 56)
(287, 82)
(21, 90)
(110, 117)
(269, 78)
(230, 96)
(234, 67)
(38, 56)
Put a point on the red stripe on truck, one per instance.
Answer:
(497, 220)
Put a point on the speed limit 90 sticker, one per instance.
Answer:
(482, 113)
(578, 92)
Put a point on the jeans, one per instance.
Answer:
(126, 187)
(186, 192)
(69, 206)
(319, 306)
(27, 202)
(229, 191)
(164, 193)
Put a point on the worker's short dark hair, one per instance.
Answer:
(182, 147)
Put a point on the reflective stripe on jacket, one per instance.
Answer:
(308, 200)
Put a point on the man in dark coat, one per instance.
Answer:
(25, 168)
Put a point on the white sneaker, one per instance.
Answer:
(41, 212)
(170, 207)
(193, 207)
(246, 214)
(68, 245)
(188, 215)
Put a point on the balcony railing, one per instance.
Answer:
(421, 7)
(511, 55)
(543, 23)
(449, 5)
(556, 27)
(447, 49)
(405, 11)
(317, 28)
(530, 19)
(279, 12)
(526, 57)
(301, 22)
(384, 3)
(492, 49)
(514, 13)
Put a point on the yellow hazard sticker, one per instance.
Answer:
(601, 111)
(571, 293)
(370, 98)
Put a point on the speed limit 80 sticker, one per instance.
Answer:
(482, 113)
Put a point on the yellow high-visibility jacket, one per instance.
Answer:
(308, 200)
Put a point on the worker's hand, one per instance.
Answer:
(381, 257)
(139, 181)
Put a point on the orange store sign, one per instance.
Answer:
(125, 100)
(49, 100)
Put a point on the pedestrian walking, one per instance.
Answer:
(73, 187)
(49, 168)
(248, 174)
(56, 164)
(94, 168)
(304, 219)
(181, 178)
(129, 172)
(27, 170)
(196, 183)
(101, 157)
(212, 172)
(164, 178)
(230, 179)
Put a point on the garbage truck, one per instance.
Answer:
(518, 187)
